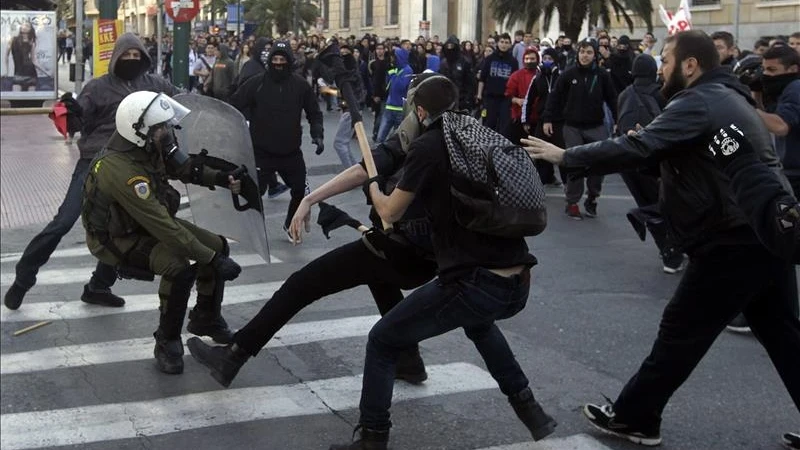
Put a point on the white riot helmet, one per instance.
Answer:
(140, 111)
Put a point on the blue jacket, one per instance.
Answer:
(399, 78)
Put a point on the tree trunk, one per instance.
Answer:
(571, 26)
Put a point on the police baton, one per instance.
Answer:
(332, 59)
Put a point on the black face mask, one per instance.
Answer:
(774, 85)
(128, 69)
(531, 65)
(279, 71)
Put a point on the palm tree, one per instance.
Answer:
(572, 13)
(280, 13)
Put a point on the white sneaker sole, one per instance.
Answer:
(648, 442)
(741, 330)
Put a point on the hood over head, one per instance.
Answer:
(224, 52)
(258, 47)
(124, 43)
(401, 57)
(644, 66)
(282, 48)
(451, 53)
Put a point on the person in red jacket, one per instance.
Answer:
(517, 90)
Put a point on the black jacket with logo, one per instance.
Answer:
(695, 196)
(579, 96)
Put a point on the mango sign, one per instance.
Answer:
(104, 35)
(681, 20)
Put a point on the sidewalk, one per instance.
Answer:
(35, 170)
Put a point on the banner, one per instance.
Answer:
(104, 35)
(680, 21)
(28, 49)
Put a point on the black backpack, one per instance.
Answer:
(494, 184)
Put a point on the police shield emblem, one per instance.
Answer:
(219, 128)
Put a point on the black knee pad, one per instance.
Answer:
(183, 280)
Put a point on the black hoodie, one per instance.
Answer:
(275, 105)
(101, 96)
(456, 67)
(253, 66)
(642, 101)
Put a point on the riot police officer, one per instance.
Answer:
(129, 215)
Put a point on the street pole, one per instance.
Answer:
(295, 6)
(479, 24)
(78, 46)
(159, 35)
(107, 9)
(736, 21)
(239, 18)
(180, 53)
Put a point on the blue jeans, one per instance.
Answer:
(390, 120)
(341, 142)
(473, 302)
(42, 246)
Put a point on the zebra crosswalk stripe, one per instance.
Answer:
(112, 421)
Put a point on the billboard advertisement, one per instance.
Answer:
(104, 35)
(28, 49)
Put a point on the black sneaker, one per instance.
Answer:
(674, 261)
(590, 209)
(224, 362)
(791, 440)
(603, 418)
(14, 296)
(102, 298)
(739, 325)
(274, 192)
(530, 412)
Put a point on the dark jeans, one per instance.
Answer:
(547, 171)
(344, 268)
(473, 302)
(574, 136)
(498, 112)
(292, 168)
(42, 246)
(644, 189)
(718, 283)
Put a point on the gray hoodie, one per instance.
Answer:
(101, 96)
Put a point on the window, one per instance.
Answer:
(705, 3)
(345, 22)
(392, 8)
(326, 10)
(367, 13)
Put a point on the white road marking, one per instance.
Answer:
(99, 423)
(77, 309)
(67, 276)
(142, 348)
(574, 442)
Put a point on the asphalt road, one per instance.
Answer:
(88, 380)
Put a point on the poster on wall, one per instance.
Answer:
(28, 55)
(105, 33)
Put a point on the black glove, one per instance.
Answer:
(320, 145)
(221, 178)
(728, 144)
(365, 187)
(227, 268)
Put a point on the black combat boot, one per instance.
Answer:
(14, 296)
(224, 362)
(209, 323)
(369, 440)
(530, 412)
(101, 297)
(410, 367)
(168, 353)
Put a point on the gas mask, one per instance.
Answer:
(411, 127)
(164, 143)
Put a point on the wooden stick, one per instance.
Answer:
(32, 327)
(363, 144)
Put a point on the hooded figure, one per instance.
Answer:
(280, 71)
(641, 102)
(101, 96)
(517, 88)
(459, 70)
(256, 64)
(223, 74)
(620, 64)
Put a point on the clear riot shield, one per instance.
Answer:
(220, 129)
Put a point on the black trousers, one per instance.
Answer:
(344, 268)
(644, 189)
(498, 112)
(547, 171)
(292, 168)
(719, 282)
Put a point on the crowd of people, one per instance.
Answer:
(676, 121)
